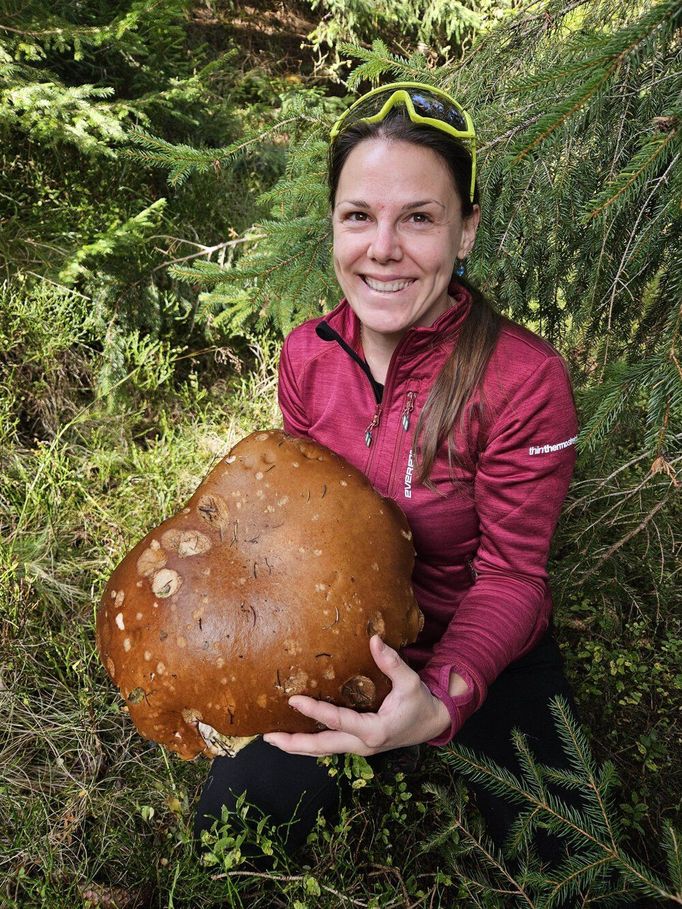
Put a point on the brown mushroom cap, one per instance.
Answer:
(269, 583)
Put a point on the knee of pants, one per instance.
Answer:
(289, 789)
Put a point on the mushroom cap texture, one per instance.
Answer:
(269, 583)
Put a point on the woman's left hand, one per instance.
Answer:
(409, 715)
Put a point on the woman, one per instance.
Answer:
(466, 420)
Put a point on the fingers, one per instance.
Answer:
(347, 730)
(339, 719)
(316, 744)
(391, 664)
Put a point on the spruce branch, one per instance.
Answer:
(673, 850)
(639, 169)
(183, 160)
(380, 60)
(591, 832)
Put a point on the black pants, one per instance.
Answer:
(283, 785)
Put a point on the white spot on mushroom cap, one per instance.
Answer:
(119, 621)
(166, 582)
(127, 645)
(186, 542)
(160, 668)
(259, 474)
(139, 616)
(147, 655)
(191, 715)
(296, 682)
(152, 559)
(230, 459)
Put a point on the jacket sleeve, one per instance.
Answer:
(296, 421)
(521, 481)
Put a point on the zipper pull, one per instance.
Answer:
(373, 425)
(409, 407)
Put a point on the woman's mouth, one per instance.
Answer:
(387, 287)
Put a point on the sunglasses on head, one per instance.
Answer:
(424, 105)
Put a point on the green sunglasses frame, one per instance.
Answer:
(400, 94)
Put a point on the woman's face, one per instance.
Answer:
(398, 229)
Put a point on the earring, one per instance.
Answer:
(460, 268)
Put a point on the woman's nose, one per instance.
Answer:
(385, 243)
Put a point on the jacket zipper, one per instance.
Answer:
(373, 425)
(407, 410)
(372, 430)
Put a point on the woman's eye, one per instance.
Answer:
(356, 216)
(420, 217)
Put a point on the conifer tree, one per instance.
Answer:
(580, 122)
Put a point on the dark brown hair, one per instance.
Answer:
(443, 414)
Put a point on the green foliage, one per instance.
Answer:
(597, 864)
(444, 26)
(76, 84)
(119, 391)
(580, 216)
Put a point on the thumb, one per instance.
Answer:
(388, 660)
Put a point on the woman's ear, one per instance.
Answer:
(469, 228)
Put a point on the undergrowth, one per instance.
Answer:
(92, 815)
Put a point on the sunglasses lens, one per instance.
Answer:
(425, 104)
(428, 105)
(367, 108)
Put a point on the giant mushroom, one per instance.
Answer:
(269, 583)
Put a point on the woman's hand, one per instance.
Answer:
(409, 715)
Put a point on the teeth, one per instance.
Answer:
(387, 286)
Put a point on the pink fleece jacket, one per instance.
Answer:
(481, 544)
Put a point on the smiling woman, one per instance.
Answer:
(416, 381)
(398, 228)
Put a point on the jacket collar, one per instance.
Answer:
(344, 321)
